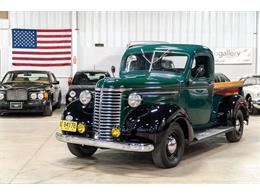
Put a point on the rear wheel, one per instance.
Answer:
(81, 151)
(170, 151)
(236, 134)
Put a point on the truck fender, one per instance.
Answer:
(235, 103)
(152, 121)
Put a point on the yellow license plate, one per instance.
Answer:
(68, 126)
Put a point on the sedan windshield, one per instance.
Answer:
(26, 77)
(157, 61)
(88, 78)
(252, 81)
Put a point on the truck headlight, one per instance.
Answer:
(72, 93)
(2, 96)
(134, 100)
(33, 96)
(85, 97)
(258, 94)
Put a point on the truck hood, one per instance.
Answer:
(141, 80)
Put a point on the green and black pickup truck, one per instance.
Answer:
(164, 98)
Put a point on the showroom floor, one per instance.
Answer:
(30, 154)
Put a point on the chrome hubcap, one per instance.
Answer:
(172, 145)
(238, 125)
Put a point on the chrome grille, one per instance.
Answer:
(16, 94)
(106, 112)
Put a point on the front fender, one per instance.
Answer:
(80, 113)
(151, 122)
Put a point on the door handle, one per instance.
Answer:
(199, 90)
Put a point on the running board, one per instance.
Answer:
(200, 136)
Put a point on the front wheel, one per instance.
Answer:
(81, 151)
(236, 134)
(170, 151)
(252, 110)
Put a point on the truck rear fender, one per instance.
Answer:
(232, 104)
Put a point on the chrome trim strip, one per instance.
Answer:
(113, 89)
(126, 146)
(158, 93)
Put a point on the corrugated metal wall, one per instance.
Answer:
(116, 29)
(214, 29)
(34, 20)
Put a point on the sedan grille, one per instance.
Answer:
(106, 112)
(16, 95)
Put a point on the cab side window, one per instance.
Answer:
(201, 62)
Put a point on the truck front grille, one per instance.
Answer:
(106, 112)
(16, 95)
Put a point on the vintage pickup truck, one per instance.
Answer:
(164, 98)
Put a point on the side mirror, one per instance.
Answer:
(70, 81)
(200, 72)
(56, 82)
(113, 70)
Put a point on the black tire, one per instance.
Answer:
(235, 135)
(58, 105)
(81, 151)
(48, 109)
(166, 155)
(252, 110)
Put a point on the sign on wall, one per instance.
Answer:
(233, 56)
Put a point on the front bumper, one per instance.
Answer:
(28, 106)
(256, 104)
(125, 146)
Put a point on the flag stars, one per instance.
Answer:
(24, 38)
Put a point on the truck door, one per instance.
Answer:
(200, 90)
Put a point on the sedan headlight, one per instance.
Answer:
(134, 100)
(2, 96)
(72, 93)
(40, 96)
(85, 97)
(33, 96)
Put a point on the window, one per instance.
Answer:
(31, 77)
(88, 78)
(201, 62)
(161, 61)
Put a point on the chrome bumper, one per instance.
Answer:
(126, 146)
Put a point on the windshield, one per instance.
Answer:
(158, 61)
(88, 78)
(26, 77)
(252, 81)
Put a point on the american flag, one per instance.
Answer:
(41, 47)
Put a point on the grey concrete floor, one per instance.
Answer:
(29, 153)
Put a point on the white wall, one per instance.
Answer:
(116, 29)
(34, 20)
(212, 29)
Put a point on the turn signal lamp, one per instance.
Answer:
(81, 128)
(116, 132)
(45, 95)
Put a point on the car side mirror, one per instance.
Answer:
(56, 82)
(200, 72)
(113, 70)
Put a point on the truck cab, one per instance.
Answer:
(164, 98)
